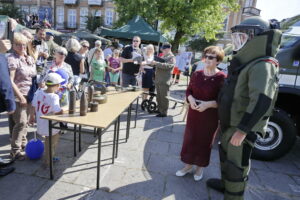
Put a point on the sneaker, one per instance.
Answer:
(183, 173)
(216, 184)
(20, 155)
(6, 170)
(4, 163)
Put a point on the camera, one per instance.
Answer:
(36, 42)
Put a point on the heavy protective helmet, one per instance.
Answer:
(247, 29)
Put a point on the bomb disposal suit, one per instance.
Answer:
(246, 101)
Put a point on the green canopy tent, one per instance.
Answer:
(84, 35)
(135, 27)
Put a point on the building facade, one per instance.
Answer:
(69, 14)
(247, 9)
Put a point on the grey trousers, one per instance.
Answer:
(19, 131)
(162, 91)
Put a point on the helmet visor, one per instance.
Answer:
(239, 40)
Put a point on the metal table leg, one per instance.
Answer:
(99, 132)
(95, 132)
(118, 136)
(75, 128)
(50, 150)
(79, 139)
(114, 141)
(136, 111)
(128, 122)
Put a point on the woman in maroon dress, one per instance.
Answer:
(202, 120)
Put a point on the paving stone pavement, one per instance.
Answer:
(144, 169)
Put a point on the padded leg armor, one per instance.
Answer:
(235, 164)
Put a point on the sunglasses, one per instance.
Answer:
(60, 53)
(85, 46)
(135, 41)
(210, 57)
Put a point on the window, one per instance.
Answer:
(225, 23)
(72, 18)
(83, 14)
(60, 16)
(109, 17)
(33, 10)
(248, 3)
(25, 9)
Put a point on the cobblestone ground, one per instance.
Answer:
(144, 169)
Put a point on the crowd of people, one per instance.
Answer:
(37, 81)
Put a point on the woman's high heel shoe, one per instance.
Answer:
(183, 173)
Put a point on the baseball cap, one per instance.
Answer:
(53, 79)
(49, 33)
(166, 46)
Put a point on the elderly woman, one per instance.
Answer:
(74, 58)
(202, 120)
(58, 65)
(148, 71)
(22, 69)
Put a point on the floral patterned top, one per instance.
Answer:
(25, 70)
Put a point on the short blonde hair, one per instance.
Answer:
(150, 46)
(73, 45)
(84, 43)
(98, 49)
(20, 38)
(61, 50)
(215, 50)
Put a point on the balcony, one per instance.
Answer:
(70, 2)
(95, 2)
(251, 11)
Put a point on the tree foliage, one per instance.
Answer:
(201, 43)
(186, 17)
(93, 22)
(11, 11)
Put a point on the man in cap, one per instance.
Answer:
(163, 74)
(51, 44)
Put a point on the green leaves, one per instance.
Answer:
(11, 11)
(187, 17)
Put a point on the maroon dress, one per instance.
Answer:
(201, 127)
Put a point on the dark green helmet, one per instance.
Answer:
(252, 26)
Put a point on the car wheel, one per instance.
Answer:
(279, 139)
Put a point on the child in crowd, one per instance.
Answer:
(46, 101)
(114, 67)
(98, 66)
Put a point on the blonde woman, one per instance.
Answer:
(98, 66)
(74, 58)
(22, 68)
(114, 67)
(148, 71)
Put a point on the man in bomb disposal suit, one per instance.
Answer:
(245, 102)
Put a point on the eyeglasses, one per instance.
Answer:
(20, 45)
(209, 57)
(135, 41)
